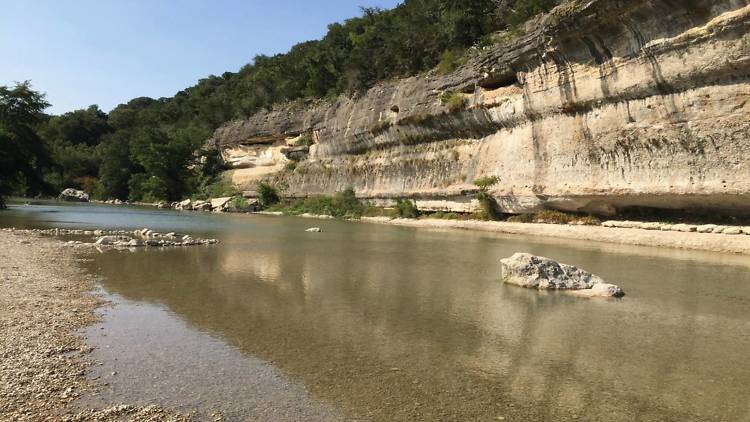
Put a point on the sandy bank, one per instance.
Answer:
(43, 363)
(710, 242)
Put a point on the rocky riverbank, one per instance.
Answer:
(44, 300)
(665, 236)
(120, 238)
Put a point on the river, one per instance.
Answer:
(373, 322)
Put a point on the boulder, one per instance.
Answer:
(202, 206)
(542, 273)
(74, 195)
(314, 230)
(111, 240)
(719, 229)
(185, 205)
(651, 226)
(706, 228)
(162, 205)
(686, 228)
(220, 204)
(732, 230)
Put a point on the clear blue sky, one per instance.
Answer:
(105, 52)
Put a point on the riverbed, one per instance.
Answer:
(376, 322)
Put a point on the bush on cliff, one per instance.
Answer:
(406, 208)
(454, 101)
(485, 198)
(267, 195)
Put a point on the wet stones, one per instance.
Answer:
(684, 228)
(121, 238)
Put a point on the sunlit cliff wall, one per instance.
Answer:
(600, 105)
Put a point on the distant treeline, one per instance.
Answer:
(144, 150)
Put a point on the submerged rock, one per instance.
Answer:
(74, 195)
(542, 273)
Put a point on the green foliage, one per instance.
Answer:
(305, 139)
(556, 217)
(521, 218)
(343, 204)
(240, 204)
(484, 183)
(454, 101)
(23, 155)
(219, 187)
(451, 60)
(267, 195)
(145, 148)
(485, 198)
(72, 140)
(405, 208)
(519, 11)
(440, 215)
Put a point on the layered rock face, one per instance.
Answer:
(600, 105)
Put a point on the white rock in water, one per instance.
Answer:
(219, 204)
(107, 240)
(75, 195)
(314, 230)
(541, 273)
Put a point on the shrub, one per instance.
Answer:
(440, 215)
(290, 166)
(450, 60)
(239, 203)
(454, 101)
(489, 205)
(484, 183)
(405, 208)
(343, 204)
(305, 139)
(218, 188)
(380, 127)
(267, 195)
(553, 217)
(521, 218)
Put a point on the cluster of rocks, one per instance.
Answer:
(123, 238)
(536, 272)
(686, 228)
(226, 204)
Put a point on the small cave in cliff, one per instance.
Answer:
(494, 82)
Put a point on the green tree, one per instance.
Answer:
(22, 153)
(72, 139)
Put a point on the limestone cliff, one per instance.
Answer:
(600, 105)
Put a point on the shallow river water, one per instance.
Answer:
(373, 322)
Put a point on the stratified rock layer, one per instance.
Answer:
(600, 105)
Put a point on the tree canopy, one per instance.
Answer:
(145, 149)
(23, 156)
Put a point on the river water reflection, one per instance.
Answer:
(393, 323)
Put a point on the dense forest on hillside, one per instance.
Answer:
(144, 149)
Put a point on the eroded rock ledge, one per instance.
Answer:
(599, 106)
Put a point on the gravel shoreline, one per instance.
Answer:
(44, 300)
